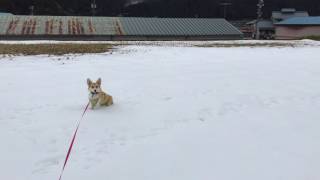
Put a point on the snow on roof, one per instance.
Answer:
(288, 10)
(286, 13)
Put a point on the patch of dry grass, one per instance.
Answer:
(53, 49)
(316, 38)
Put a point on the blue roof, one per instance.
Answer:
(315, 20)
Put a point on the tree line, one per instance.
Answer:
(232, 9)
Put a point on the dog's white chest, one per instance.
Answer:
(93, 96)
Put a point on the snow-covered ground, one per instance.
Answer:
(180, 113)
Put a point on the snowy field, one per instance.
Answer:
(180, 113)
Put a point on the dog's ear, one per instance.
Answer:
(99, 81)
(89, 82)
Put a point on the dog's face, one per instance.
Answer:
(94, 87)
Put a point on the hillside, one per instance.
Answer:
(159, 8)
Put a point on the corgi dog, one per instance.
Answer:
(97, 96)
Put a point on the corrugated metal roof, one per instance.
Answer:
(5, 14)
(265, 24)
(175, 26)
(301, 21)
(75, 25)
(57, 25)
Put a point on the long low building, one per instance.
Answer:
(298, 27)
(115, 28)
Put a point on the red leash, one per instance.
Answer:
(72, 141)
